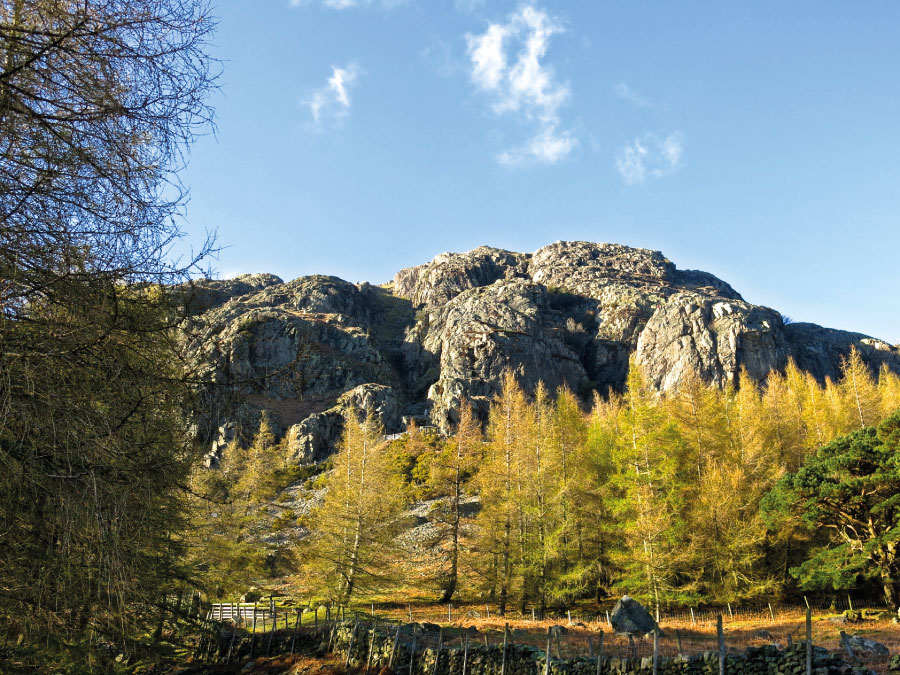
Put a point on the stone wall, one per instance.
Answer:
(528, 660)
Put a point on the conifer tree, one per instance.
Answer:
(860, 391)
(449, 472)
(649, 454)
(498, 480)
(350, 546)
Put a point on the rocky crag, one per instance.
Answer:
(572, 313)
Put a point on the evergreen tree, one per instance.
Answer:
(849, 488)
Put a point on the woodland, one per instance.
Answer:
(707, 495)
(111, 528)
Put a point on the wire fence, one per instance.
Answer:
(575, 635)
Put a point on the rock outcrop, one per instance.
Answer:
(571, 313)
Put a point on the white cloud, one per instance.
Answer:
(349, 4)
(507, 63)
(626, 93)
(332, 101)
(650, 156)
(549, 146)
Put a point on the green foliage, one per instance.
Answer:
(850, 488)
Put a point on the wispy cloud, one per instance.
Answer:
(468, 6)
(650, 156)
(626, 93)
(506, 62)
(332, 101)
(349, 4)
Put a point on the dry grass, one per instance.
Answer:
(742, 631)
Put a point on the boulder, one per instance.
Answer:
(867, 646)
(630, 617)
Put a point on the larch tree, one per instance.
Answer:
(571, 528)
(649, 454)
(450, 471)
(350, 547)
(99, 100)
(860, 391)
(498, 480)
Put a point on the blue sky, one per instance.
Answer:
(757, 141)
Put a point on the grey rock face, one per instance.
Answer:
(692, 335)
(449, 274)
(486, 330)
(572, 314)
(629, 616)
(315, 438)
(205, 294)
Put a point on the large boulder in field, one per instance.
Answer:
(629, 616)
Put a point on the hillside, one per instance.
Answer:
(571, 313)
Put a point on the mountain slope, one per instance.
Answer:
(572, 313)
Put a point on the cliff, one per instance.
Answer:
(571, 313)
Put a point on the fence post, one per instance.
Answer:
(655, 650)
(350, 647)
(846, 643)
(547, 661)
(465, 651)
(253, 639)
(809, 642)
(231, 641)
(274, 625)
(599, 652)
(412, 653)
(503, 659)
(693, 620)
(394, 648)
(730, 613)
(678, 642)
(633, 646)
(771, 612)
(558, 646)
(437, 656)
(721, 635)
(371, 641)
(608, 622)
(849, 602)
(590, 647)
(297, 624)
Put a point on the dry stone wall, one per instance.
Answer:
(528, 660)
